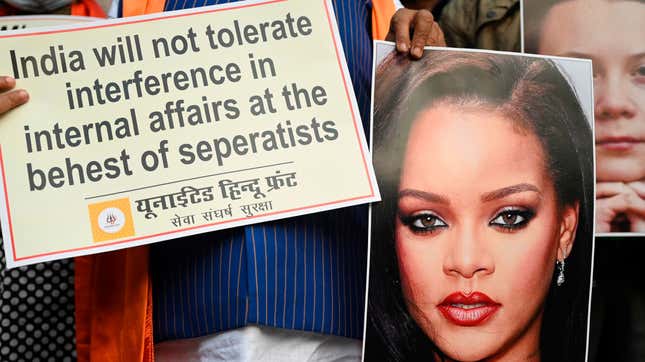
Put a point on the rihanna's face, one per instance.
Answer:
(612, 34)
(478, 232)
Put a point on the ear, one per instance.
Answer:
(568, 227)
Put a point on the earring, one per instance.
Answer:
(560, 280)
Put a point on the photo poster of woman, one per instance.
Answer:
(610, 33)
(482, 246)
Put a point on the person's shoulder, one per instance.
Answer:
(482, 24)
(460, 14)
(493, 10)
(474, 13)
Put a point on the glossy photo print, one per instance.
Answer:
(481, 249)
(611, 33)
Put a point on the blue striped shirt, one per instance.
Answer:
(305, 273)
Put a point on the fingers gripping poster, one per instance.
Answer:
(145, 129)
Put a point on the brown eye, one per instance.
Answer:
(512, 218)
(427, 221)
(424, 221)
(641, 70)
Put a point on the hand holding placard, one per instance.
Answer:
(10, 100)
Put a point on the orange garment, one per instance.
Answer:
(113, 306)
(382, 11)
(114, 290)
(140, 7)
(87, 8)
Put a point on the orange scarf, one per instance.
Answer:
(382, 11)
(87, 8)
(114, 306)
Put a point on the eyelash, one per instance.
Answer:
(526, 216)
(415, 222)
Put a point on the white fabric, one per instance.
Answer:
(261, 344)
(113, 11)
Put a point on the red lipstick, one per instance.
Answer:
(468, 310)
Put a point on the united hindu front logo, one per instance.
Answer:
(111, 219)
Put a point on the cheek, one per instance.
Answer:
(530, 267)
(633, 93)
(417, 262)
(640, 104)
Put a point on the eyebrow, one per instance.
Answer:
(509, 190)
(589, 56)
(577, 55)
(427, 196)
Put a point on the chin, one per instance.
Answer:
(471, 352)
(467, 347)
(620, 170)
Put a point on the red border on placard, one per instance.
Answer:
(349, 100)
(6, 199)
(347, 94)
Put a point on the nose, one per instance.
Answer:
(613, 100)
(468, 256)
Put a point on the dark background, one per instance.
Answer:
(617, 330)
